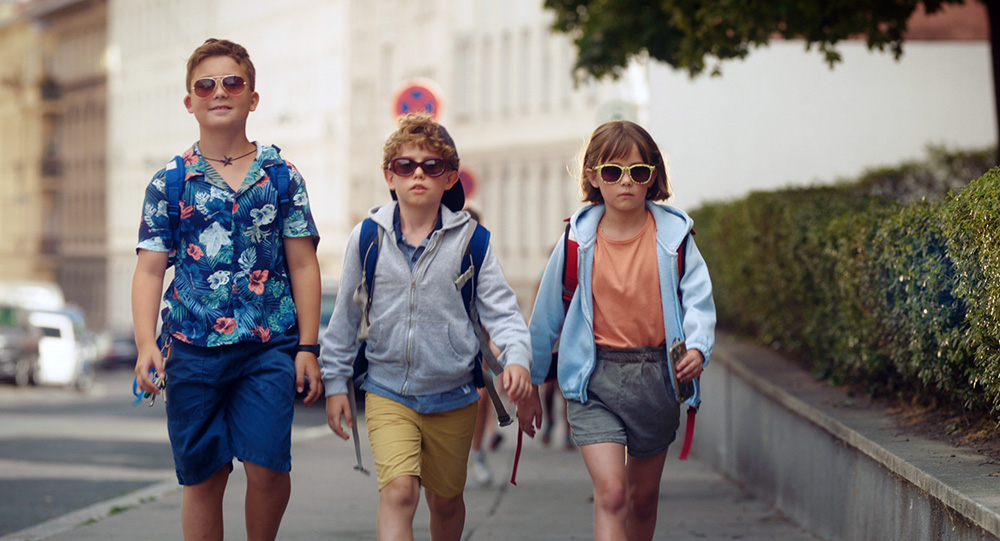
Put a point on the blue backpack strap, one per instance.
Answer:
(174, 184)
(475, 254)
(277, 171)
(368, 245)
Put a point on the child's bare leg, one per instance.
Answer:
(267, 496)
(643, 495)
(397, 503)
(201, 507)
(606, 465)
(447, 516)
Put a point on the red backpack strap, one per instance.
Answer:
(571, 254)
(681, 265)
(689, 426)
(688, 434)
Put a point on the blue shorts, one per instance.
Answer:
(233, 401)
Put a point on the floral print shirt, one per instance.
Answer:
(230, 281)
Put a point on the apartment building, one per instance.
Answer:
(74, 91)
(26, 238)
(331, 74)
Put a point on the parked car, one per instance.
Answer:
(67, 351)
(18, 346)
(121, 353)
(327, 303)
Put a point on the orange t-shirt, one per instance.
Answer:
(626, 283)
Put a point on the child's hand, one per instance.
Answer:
(336, 406)
(529, 413)
(516, 383)
(306, 366)
(149, 357)
(691, 365)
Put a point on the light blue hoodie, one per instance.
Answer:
(421, 341)
(693, 322)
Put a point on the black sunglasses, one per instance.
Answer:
(404, 167)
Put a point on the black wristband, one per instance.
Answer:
(312, 348)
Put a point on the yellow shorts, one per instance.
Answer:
(433, 447)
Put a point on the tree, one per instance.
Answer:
(688, 34)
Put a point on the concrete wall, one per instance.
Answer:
(840, 470)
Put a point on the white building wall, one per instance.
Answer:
(508, 101)
(782, 117)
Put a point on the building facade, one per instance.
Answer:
(74, 91)
(505, 92)
(331, 73)
(24, 199)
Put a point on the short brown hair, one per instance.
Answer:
(221, 47)
(614, 139)
(420, 130)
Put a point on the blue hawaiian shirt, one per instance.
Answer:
(230, 278)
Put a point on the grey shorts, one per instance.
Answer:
(630, 400)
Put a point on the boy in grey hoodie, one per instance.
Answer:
(421, 401)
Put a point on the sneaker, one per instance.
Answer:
(481, 473)
(495, 441)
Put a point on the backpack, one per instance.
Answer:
(570, 281)
(476, 244)
(277, 171)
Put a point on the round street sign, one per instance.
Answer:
(469, 183)
(417, 95)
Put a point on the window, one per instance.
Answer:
(486, 76)
(463, 71)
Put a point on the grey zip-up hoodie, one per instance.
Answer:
(421, 340)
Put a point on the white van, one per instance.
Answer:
(63, 357)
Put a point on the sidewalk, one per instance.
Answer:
(551, 501)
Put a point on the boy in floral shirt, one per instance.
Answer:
(240, 328)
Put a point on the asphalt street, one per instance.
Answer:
(62, 450)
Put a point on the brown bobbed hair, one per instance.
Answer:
(614, 139)
(420, 130)
(220, 47)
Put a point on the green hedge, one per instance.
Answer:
(891, 281)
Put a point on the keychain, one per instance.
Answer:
(160, 383)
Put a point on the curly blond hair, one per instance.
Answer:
(420, 130)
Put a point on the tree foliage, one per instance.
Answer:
(689, 34)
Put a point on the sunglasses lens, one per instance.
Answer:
(233, 84)
(403, 166)
(203, 87)
(641, 174)
(611, 173)
(433, 167)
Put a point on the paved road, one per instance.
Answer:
(62, 450)
(329, 499)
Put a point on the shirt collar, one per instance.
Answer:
(397, 226)
(254, 174)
